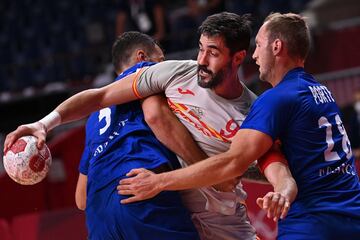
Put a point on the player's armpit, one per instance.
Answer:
(273, 155)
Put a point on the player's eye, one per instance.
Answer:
(215, 54)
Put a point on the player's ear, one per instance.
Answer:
(277, 46)
(141, 55)
(239, 57)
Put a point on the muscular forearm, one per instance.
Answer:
(143, 184)
(75, 108)
(79, 105)
(170, 131)
(281, 179)
(182, 144)
(221, 167)
(212, 171)
(82, 104)
(247, 145)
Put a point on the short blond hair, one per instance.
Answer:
(292, 29)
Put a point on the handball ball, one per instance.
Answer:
(25, 163)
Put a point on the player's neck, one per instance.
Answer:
(282, 68)
(230, 88)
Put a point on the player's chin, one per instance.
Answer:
(204, 81)
(261, 75)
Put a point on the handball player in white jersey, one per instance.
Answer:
(212, 104)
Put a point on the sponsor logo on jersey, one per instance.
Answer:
(344, 168)
(192, 116)
(186, 91)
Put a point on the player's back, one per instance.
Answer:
(118, 140)
(317, 147)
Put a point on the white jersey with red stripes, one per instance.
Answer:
(213, 121)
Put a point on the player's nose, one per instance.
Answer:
(202, 59)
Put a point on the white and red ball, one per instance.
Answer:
(25, 163)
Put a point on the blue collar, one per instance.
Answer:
(133, 69)
(292, 73)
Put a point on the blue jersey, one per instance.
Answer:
(118, 140)
(303, 114)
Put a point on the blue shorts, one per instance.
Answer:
(162, 218)
(319, 226)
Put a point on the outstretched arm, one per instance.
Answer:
(247, 146)
(76, 107)
(82, 104)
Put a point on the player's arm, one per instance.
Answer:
(80, 192)
(82, 104)
(246, 146)
(255, 172)
(285, 191)
(169, 130)
(174, 135)
(76, 107)
(148, 81)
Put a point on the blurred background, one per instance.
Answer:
(49, 50)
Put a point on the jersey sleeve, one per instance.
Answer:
(84, 161)
(86, 155)
(269, 114)
(159, 77)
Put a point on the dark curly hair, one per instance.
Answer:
(235, 29)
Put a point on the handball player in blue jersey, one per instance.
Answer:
(304, 116)
(117, 140)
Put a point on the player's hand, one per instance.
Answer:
(276, 205)
(36, 129)
(142, 184)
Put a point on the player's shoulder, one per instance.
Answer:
(275, 93)
(291, 87)
(278, 97)
(174, 67)
(177, 64)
